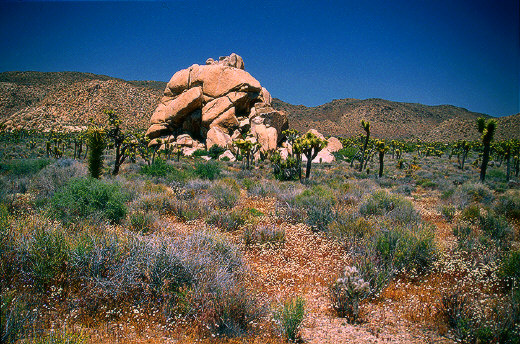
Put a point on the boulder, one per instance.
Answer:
(214, 102)
(226, 121)
(180, 107)
(185, 140)
(324, 156)
(216, 136)
(334, 145)
(227, 154)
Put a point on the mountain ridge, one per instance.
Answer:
(64, 100)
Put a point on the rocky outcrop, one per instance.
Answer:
(217, 103)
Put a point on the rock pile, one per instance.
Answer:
(216, 103)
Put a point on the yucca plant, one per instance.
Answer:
(366, 127)
(289, 317)
(96, 144)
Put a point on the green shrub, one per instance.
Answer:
(225, 193)
(23, 167)
(89, 198)
(508, 204)
(289, 317)
(350, 227)
(471, 213)
(395, 207)
(159, 168)
(318, 203)
(62, 337)
(142, 221)
(210, 170)
(510, 268)
(496, 228)
(47, 255)
(264, 235)
(215, 151)
(96, 143)
(15, 317)
(448, 211)
(228, 220)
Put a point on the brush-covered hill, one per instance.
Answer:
(342, 117)
(70, 100)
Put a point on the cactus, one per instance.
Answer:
(348, 292)
(487, 129)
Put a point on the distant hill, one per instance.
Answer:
(395, 120)
(68, 100)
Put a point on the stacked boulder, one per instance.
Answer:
(216, 103)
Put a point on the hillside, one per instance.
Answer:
(68, 100)
(389, 119)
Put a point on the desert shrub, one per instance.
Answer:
(407, 248)
(395, 207)
(15, 317)
(62, 337)
(373, 269)
(510, 268)
(264, 234)
(89, 197)
(215, 151)
(187, 210)
(347, 292)
(23, 167)
(166, 171)
(225, 193)
(404, 189)
(141, 221)
(228, 220)
(47, 254)
(467, 237)
(318, 203)
(289, 317)
(496, 228)
(455, 309)
(55, 176)
(208, 170)
(471, 212)
(350, 227)
(508, 204)
(469, 193)
(448, 212)
(288, 169)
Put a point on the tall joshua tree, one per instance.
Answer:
(366, 127)
(487, 129)
(382, 148)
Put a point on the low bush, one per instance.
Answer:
(264, 234)
(289, 318)
(510, 268)
(23, 167)
(395, 207)
(89, 198)
(496, 228)
(209, 170)
(55, 176)
(508, 204)
(141, 221)
(225, 193)
(318, 203)
(448, 212)
(228, 220)
(16, 317)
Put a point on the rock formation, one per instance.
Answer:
(216, 103)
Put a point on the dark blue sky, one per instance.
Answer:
(464, 53)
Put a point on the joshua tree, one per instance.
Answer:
(310, 145)
(96, 143)
(123, 143)
(382, 148)
(247, 149)
(366, 127)
(487, 129)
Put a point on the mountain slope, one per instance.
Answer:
(68, 100)
(389, 119)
